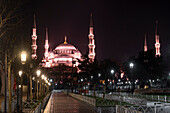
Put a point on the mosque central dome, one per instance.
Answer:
(65, 47)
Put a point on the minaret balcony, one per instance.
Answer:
(34, 37)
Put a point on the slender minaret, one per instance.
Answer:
(157, 44)
(46, 46)
(34, 38)
(91, 41)
(145, 45)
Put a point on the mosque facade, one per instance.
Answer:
(65, 53)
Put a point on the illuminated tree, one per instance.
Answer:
(10, 21)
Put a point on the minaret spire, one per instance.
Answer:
(157, 44)
(46, 46)
(156, 30)
(91, 20)
(34, 22)
(34, 38)
(145, 45)
(91, 41)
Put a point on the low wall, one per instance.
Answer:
(123, 109)
(89, 100)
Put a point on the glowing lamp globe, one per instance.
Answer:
(42, 77)
(45, 78)
(20, 73)
(38, 73)
(23, 57)
(112, 71)
(131, 65)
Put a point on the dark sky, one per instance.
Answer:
(119, 27)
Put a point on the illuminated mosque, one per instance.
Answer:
(65, 53)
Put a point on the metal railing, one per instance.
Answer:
(157, 108)
(86, 99)
(45, 100)
(123, 109)
(37, 109)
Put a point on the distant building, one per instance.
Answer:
(157, 43)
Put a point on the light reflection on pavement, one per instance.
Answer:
(62, 103)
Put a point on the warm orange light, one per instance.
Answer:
(23, 57)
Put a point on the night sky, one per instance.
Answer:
(119, 27)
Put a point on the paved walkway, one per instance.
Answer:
(62, 103)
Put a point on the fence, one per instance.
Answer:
(159, 98)
(37, 109)
(45, 100)
(29, 107)
(86, 99)
(143, 109)
(123, 109)
(121, 98)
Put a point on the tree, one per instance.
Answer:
(105, 67)
(84, 67)
(146, 66)
(9, 15)
(10, 21)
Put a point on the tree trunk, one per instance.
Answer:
(37, 89)
(85, 89)
(6, 67)
(104, 91)
(9, 88)
(40, 92)
(94, 93)
(31, 87)
(28, 86)
(21, 94)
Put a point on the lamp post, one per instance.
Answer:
(23, 57)
(38, 75)
(112, 72)
(99, 75)
(23, 61)
(131, 67)
(42, 87)
(20, 75)
(31, 96)
(41, 84)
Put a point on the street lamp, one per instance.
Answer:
(42, 77)
(38, 75)
(112, 72)
(20, 73)
(23, 57)
(131, 65)
(99, 75)
(23, 61)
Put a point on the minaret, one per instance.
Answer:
(46, 46)
(34, 38)
(91, 41)
(145, 45)
(157, 44)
